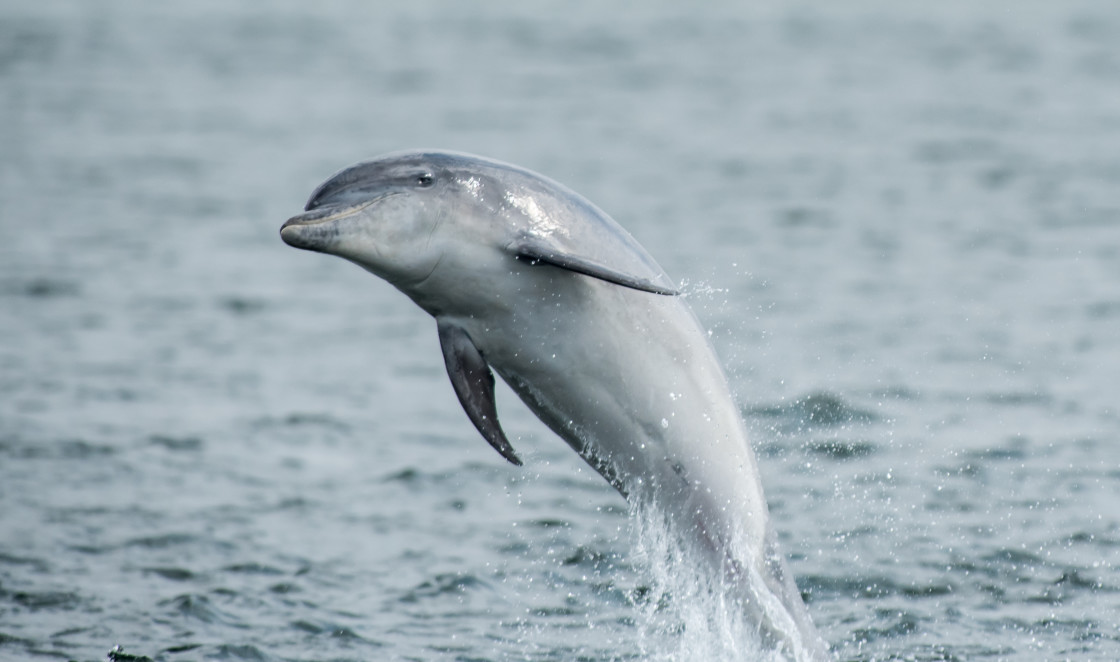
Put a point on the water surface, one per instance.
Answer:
(900, 223)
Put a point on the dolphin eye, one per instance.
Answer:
(425, 180)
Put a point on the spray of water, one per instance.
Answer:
(693, 610)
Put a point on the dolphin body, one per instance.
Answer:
(530, 279)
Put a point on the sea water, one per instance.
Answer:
(900, 222)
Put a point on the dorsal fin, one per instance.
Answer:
(540, 252)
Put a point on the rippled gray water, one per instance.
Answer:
(902, 226)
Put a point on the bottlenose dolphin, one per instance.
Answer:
(527, 278)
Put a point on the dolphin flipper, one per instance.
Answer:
(539, 251)
(474, 384)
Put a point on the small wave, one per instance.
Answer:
(302, 419)
(1075, 629)
(41, 288)
(173, 574)
(176, 443)
(118, 655)
(284, 588)
(246, 652)
(253, 568)
(38, 565)
(52, 600)
(7, 640)
(1019, 398)
(818, 410)
(161, 541)
(327, 629)
(442, 584)
(875, 587)
(549, 523)
(900, 624)
(406, 475)
(1013, 557)
(590, 558)
(837, 449)
(239, 305)
(1091, 538)
(67, 449)
(200, 608)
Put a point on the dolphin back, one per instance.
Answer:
(556, 225)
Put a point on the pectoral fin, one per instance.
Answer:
(539, 251)
(474, 384)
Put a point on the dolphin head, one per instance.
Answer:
(445, 228)
(381, 214)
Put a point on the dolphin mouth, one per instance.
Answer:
(312, 230)
(324, 214)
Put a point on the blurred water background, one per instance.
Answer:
(901, 222)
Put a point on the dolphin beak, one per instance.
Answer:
(309, 232)
(313, 230)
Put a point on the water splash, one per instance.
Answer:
(692, 611)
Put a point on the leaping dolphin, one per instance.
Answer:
(527, 278)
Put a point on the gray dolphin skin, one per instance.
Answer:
(528, 279)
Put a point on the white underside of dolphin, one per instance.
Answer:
(528, 279)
